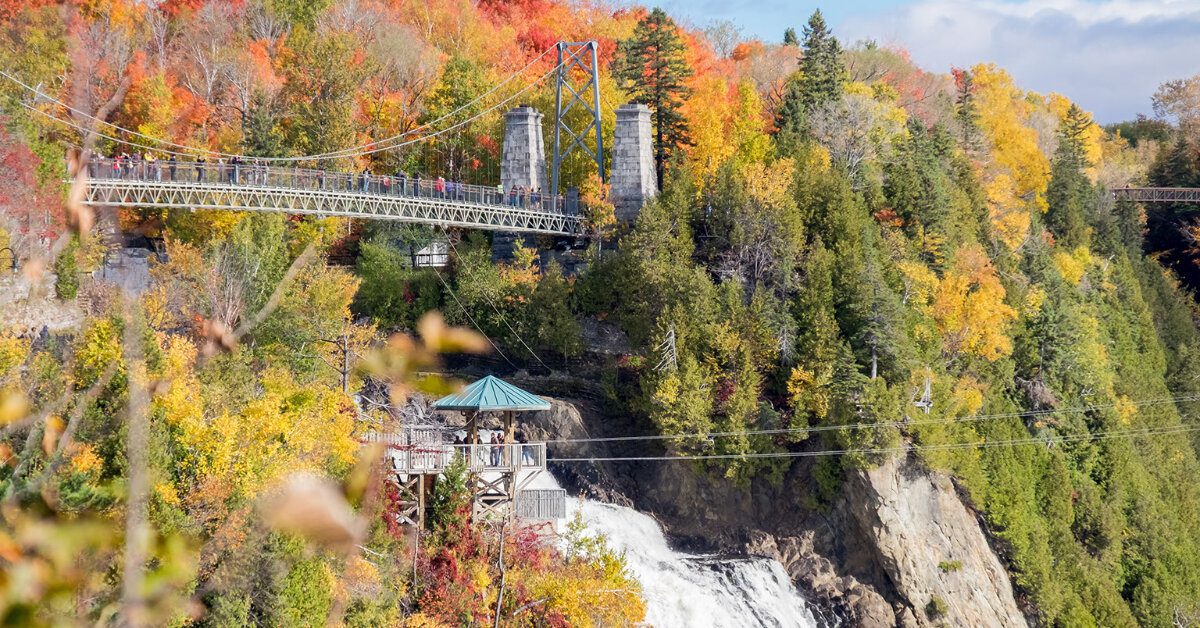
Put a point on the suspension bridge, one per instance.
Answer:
(526, 198)
(253, 187)
(1158, 195)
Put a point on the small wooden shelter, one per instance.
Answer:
(495, 467)
(498, 471)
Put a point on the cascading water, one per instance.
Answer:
(690, 590)
(687, 590)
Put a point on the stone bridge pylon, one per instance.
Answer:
(632, 179)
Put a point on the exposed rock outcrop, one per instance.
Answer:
(931, 546)
(898, 548)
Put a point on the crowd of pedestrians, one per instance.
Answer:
(256, 172)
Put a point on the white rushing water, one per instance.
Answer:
(693, 590)
(689, 590)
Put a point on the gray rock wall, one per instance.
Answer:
(931, 547)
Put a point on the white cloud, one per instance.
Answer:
(1108, 55)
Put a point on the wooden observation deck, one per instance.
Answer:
(499, 473)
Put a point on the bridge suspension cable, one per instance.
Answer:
(882, 424)
(419, 140)
(982, 444)
(356, 151)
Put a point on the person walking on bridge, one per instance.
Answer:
(401, 183)
(171, 164)
(416, 184)
(200, 161)
(439, 187)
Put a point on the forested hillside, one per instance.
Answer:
(849, 254)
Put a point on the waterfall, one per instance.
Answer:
(695, 590)
(690, 590)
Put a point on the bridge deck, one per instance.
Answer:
(251, 187)
(1158, 195)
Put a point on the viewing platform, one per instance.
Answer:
(434, 458)
(500, 474)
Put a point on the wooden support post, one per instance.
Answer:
(421, 502)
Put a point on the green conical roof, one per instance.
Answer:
(491, 394)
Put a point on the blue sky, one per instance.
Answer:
(1108, 55)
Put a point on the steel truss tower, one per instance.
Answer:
(578, 70)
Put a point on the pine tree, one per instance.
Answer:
(789, 37)
(1069, 191)
(821, 75)
(653, 67)
(966, 112)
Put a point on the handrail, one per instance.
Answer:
(261, 175)
(480, 458)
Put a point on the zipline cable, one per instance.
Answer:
(472, 319)
(984, 444)
(346, 152)
(877, 425)
(488, 298)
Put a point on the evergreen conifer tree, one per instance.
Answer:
(821, 75)
(652, 66)
(1069, 189)
(789, 37)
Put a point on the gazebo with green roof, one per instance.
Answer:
(491, 394)
(494, 484)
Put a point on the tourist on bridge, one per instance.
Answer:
(364, 181)
(416, 184)
(535, 198)
(512, 196)
(200, 161)
(349, 182)
(499, 193)
(439, 186)
(401, 182)
(116, 167)
(171, 164)
(152, 171)
(321, 179)
(135, 165)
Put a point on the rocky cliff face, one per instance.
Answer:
(899, 548)
(931, 546)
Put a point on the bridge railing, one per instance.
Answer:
(251, 174)
(480, 458)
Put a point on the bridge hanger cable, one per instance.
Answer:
(982, 444)
(503, 318)
(292, 159)
(879, 425)
(346, 152)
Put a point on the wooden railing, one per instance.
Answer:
(542, 504)
(481, 458)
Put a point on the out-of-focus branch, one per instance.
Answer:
(137, 529)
